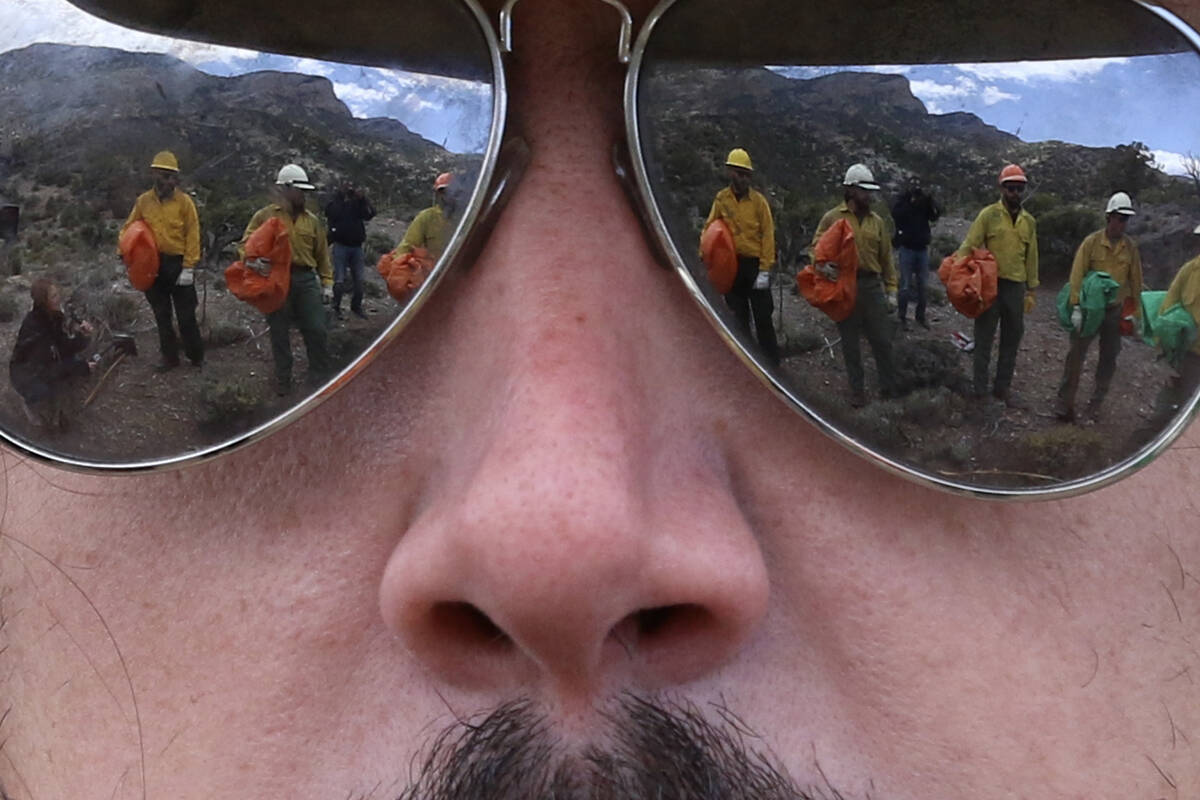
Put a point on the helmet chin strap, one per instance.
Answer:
(623, 43)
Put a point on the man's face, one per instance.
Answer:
(739, 179)
(557, 535)
(859, 197)
(1116, 224)
(292, 196)
(165, 181)
(1013, 193)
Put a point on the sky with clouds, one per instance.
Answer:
(453, 113)
(1100, 102)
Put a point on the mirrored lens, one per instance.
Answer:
(195, 238)
(831, 187)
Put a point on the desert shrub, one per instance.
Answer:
(928, 363)
(1060, 231)
(942, 245)
(932, 406)
(10, 307)
(936, 292)
(223, 334)
(120, 311)
(228, 401)
(375, 246)
(374, 288)
(1062, 451)
(879, 424)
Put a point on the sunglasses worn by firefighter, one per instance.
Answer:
(777, 153)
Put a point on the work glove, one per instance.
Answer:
(260, 265)
(187, 277)
(1030, 302)
(893, 301)
(1077, 319)
(763, 281)
(827, 270)
(326, 295)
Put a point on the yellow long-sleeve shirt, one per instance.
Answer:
(871, 240)
(429, 229)
(1119, 259)
(174, 221)
(306, 235)
(750, 221)
(1013, 243)
(1185, 289)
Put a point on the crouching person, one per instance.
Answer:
(46, 360)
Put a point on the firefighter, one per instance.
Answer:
(1009, 232)
(877, 283)
(745, 210)
(1111, 251)
(172, 217)
(311, 284)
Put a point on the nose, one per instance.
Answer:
(582, 529)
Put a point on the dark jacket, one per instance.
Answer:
(44, 356)
(913, 213)
(346, 217)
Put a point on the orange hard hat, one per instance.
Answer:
(1012, 173)
(442, 181)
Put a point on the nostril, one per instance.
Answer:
(661, 625)
(464, 623)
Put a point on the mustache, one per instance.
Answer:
(653, 750)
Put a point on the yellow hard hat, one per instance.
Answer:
(739, 158)
(165, 159)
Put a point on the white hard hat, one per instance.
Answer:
(1196, 230)
(293, 175)
(860, 175)
(1121, 204)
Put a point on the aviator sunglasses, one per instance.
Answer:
(731, 108)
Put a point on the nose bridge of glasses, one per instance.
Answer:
(624, 39)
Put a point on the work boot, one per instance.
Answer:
(282, 385)
(903, 324)
(858, 399)
(1093, 410)
(358, 312)
(166, 365)
(1064, 413)
(923, 323)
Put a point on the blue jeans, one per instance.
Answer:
(347, 263)
(914, 274)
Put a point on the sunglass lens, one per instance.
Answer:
(850, 267)
(278, 211)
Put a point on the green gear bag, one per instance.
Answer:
(1172, 329)
(1098, 292)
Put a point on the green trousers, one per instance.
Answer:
(302, 306)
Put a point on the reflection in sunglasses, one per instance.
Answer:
(913, 158)
(181, 150)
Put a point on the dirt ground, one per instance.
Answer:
(940, 427)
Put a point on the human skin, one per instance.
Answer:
(561, 442)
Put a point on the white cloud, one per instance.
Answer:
(1028, 71)
(994, 94)
(1168, 162)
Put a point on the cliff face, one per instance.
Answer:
(88, 119)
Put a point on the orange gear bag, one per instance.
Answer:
(139, 251)
(264, 292)
(406, 273)
(970, 281)
(719, 255)
(835, 298)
